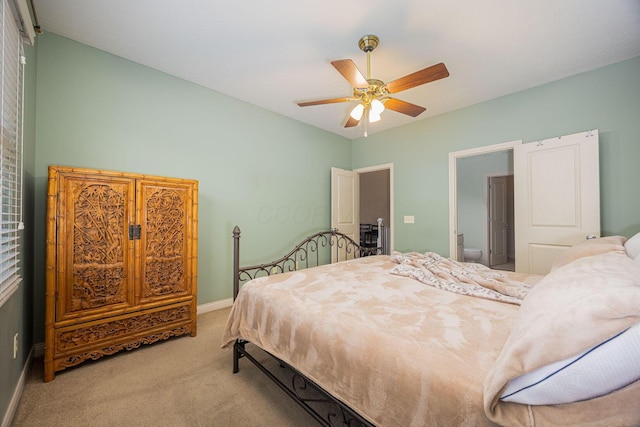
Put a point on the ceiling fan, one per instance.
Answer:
(373, 94)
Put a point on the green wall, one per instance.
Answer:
(607, 99)
(264, 172)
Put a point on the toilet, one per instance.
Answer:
(468, 254)
(472, 255)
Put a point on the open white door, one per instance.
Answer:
(557, 198)
(345, 204)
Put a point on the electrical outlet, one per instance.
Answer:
(274, 270)
(15, 346)
(409, 219)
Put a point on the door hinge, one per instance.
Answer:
(134, 232)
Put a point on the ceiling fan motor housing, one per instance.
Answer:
(368, 43)
(376, 90)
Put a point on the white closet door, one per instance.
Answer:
(557, 198)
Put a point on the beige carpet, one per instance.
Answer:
(180, 382)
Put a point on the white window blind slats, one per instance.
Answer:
(10, 151)
(10, 221)
(9, 269)
(12, 250)
(8, 241)
(9, 189)
(9, 266)
(9, 200)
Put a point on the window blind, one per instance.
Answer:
(10, 153)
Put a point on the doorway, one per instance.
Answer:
(458, 201)
(376, 200)
(377, 195)
(375, 207)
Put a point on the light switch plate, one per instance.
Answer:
(409, 219)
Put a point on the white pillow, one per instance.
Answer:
(606, 367)
(573, 309)
(632, 246)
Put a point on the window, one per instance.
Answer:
(10, 153)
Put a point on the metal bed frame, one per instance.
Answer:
(323, 407)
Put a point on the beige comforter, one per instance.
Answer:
(398, 352)
(460, 277)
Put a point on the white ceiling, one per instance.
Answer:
(275, 53)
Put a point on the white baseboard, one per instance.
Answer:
(17, 393)
(215, 305)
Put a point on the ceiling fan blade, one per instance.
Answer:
(429, 74)
(403, 107)
(351, 122)
(324, 101)
(348, 69)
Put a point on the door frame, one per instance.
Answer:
(376, 168)
(453, 192)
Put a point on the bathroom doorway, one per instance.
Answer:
(468, 195)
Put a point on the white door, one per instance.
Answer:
(557, 198)
(344, 205)
(498, 223)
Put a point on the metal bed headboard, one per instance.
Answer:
(307, 253)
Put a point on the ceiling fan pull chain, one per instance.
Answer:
(366, 123)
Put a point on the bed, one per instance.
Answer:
(419, 340)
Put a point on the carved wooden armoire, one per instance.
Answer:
(121, 263)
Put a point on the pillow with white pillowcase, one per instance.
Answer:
(576, 337)
(608, 366)
(632, 246)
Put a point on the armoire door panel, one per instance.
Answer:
(95, 257)
(164, 210)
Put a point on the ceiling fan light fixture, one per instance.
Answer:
(375, 96)
(357, 112)
(377, 107)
